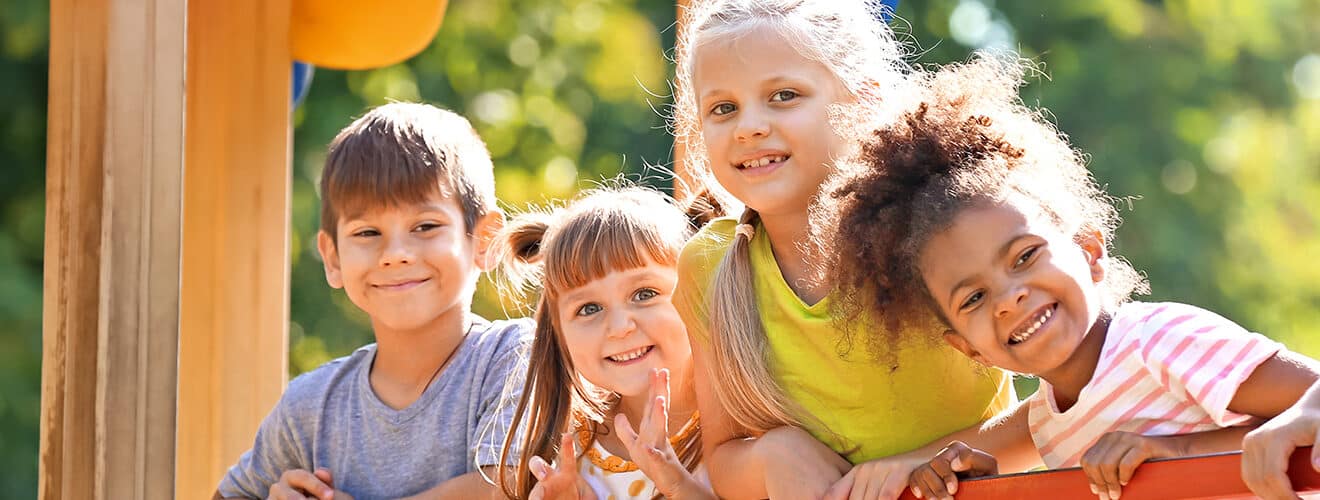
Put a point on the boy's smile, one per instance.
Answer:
(1019, 293)
(619, 327)
(409, 267)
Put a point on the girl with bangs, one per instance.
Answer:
(609, 346)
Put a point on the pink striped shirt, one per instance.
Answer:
(1165, 369)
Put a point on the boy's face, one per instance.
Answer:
(621, 326)
(764, 111)
(1018, 293)
(409, 267)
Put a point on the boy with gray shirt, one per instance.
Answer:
(407, 216)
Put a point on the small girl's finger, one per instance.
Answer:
(658, 431)
(567, 452)
(539, 468)
(625, 430)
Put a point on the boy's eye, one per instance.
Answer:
(645, 294)
(366, 233)
(426, 226)
(972, 300)
(723, 108)
(783, 95)
(1025, 257)
(588, 309)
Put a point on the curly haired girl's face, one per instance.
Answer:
(621, 326)
(1018, 292)
(764, 111)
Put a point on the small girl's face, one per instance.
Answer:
(764, 111)
(621, 326)
(1018, 292)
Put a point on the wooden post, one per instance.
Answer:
(233, 346)
(111, 308)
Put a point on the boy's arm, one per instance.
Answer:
(275, 450)
(470, 485)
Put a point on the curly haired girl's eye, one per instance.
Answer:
(972, 300)
(1026, 256)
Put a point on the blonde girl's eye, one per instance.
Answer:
(783, 95)
(722, 109)
(645, 294)
(588, 309)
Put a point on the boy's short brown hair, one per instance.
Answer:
(403, 153)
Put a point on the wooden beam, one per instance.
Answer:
(233, 346)
(110, 324)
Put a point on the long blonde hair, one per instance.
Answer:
(550, 252)
(848, 38)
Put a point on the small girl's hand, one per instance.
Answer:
(562, 481)
(1111, 461)
(650, 449)
(938, 478)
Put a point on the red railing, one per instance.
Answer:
(1209, 476)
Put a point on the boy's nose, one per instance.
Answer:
(396, 252)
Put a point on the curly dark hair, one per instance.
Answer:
(969, 140)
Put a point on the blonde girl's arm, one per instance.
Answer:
(744, 467)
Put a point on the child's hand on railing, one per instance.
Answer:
(650, 448)
(1266, 450)
(938, 477)
(1111, 461)
(561, 481)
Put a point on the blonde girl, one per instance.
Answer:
(790, 407)
(608, 348)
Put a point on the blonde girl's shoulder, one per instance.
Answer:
(705, 249)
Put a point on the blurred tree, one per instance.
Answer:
(1205, 112)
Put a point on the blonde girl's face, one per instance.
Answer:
(764, 115)
(1018, 292)
(621, 326)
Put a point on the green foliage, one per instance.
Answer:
(1207, 112)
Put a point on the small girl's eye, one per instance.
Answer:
(783, 95)
(972, 300)
(722, 109)
(588, 309)
(1025, 257)
(645, 294)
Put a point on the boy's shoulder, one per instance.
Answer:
(310, 389)
(501, 336)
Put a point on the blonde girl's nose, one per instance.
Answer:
(751, 124)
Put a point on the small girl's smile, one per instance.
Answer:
(631, 356)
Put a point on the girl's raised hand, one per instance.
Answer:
(562, 481)
(650, 449)
(797, 465)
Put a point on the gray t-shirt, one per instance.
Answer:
(329, 417)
